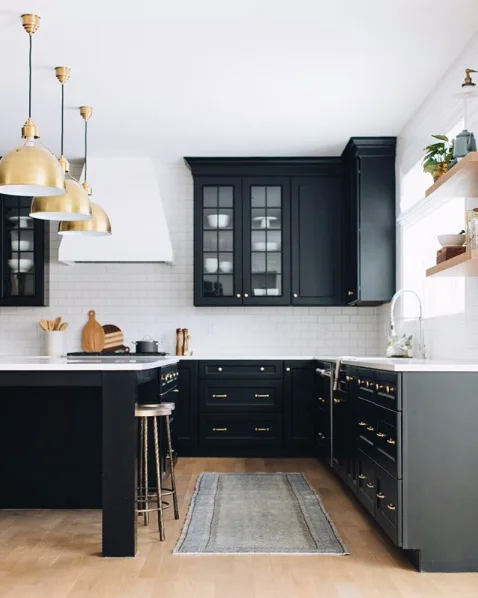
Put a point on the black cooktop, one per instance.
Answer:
(115, 354)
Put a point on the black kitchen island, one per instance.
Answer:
(64, 423)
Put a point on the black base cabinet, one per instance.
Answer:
(405, 446)
(186, 412)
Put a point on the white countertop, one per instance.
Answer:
(216, 357)
(413, 365)
(95, 364)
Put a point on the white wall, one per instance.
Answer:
(155, 299)
(454, 335)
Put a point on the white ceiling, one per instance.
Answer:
(216, 77)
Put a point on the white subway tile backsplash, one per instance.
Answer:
(156, 299)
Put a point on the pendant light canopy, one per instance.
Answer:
(75, 203)
(31, 169)
(99, 225)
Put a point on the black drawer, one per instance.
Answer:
(241, 369)
(241, 395)
(240, 430)
(388, 390)
(366, 483)
(388, 512)
(379, 435)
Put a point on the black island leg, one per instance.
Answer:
(120, 392)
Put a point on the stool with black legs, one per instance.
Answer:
(148, 416)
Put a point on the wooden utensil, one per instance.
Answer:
(64, 326)
(179, 341)
(56, 323)
(93, 335)
(44, 325)
(114, 339)
(51, 324)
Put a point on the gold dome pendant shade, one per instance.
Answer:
(31, 169)
(99, 225)
(74, 204)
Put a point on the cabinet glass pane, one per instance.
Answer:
(18, 266)
(218, 241)
(266, 241)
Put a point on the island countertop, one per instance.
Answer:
(76, 364)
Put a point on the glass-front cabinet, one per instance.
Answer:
(266, 244)
(23, 254)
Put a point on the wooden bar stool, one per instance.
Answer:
(146, 493)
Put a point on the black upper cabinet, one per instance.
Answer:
(317, 239)
(266, 230)
(369, 220)
(24, 254)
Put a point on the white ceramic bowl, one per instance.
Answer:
(21, 265)
(210, 265)
(225, 267)
(218, 220)
(21, 245)
(451, 240)
(269, 246)
(21, 221)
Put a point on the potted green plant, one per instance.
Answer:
(438, 156)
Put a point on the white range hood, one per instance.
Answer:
(127, 189)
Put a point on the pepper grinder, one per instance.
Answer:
(186, 342)
(179, 341)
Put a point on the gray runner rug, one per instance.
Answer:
(241, 513)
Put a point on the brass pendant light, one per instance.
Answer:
(75, 203)
(99, 225)
(31, 169)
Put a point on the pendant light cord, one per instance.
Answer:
(86, 149)
(62, 116)
(30, 78)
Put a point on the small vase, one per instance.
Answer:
(54, 343)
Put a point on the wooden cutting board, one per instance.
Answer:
(114, 339)
(93, 335)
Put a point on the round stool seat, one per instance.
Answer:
(171, 406)
(156, 410)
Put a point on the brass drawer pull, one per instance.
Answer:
(321, 399)
(370, 428)
(380, 495)
(370, 485)
(219, 396)
(381, 435)
(391, 441)
(362, 477)
(219, 429)
(391, 507)
(363, 424)
(261, 396)
(320, 435)
(337, 401)
(262, 429)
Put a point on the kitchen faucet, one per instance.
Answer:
(393, 336)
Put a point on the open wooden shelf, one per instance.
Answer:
(459, 181)
(465, 264)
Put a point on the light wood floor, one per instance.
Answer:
(54, 554)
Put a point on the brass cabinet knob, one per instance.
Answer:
(380, 495)
(349, 293)
(364, 424)
(362, 477)
(337, 401)
(381, 435)
(391, 506)
(295, 295)
(262, 369)
(370, 428)
(176, 390)
(369, 485)
(322, 400)
(287, 369)
(391, 441)
(246, 295)
(219, 369)
(238, 295)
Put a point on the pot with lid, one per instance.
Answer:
(146, 345)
